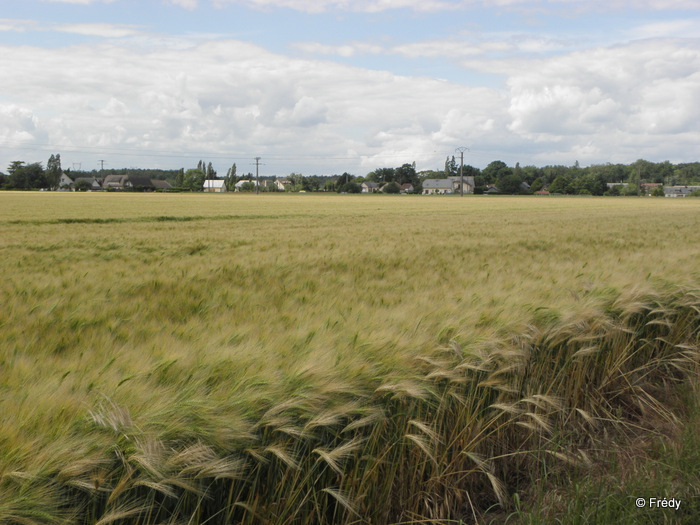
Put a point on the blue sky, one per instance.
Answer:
(326, 86)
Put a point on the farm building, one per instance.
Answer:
(214, 186)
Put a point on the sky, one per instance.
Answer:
(331, 86)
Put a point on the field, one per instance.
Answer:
(192, 358)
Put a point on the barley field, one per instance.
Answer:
(328, 359)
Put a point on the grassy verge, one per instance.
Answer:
(660, 465)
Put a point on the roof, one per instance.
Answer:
(114, 181)
(214, 184)
(437, 184)
(161, 184)
(139, 181)
(468, 179)
(91, 180)
(680, 190)
(371, 184)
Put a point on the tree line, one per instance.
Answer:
(573, 180)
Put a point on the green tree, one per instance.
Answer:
(536, 185)
(350, 187)
(180, 178)
(53, 171)
(26, 177)
(613, 191)
(392, 187)
(211, 172)
(83, 185)
(562, 184)
(494, 171)
(344, 179)
(406, 174)
(509, 183)
(231, 179)
(194, 180)
(451, 167)
(381, 175)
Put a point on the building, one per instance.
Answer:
(448, 185)
(370, 187)
(215, 186)
(679, 191)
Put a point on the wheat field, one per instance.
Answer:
(192, 358)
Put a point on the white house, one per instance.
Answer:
(437, 186)
(214, 186)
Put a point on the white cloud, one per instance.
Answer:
(375, 6)
(81, 2)
(610, 98)
(13, 24)
(99, 29)
(233, 98)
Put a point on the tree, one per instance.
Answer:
(350, 187)
(381, 175)
(211, 172)
(613, 191)
(83, 185)
(406, 174)
(509, 183)
(536, 185)
(562, 184)
(344, 179)
(180, 178)
(494, 171)
(231, 179)
(451, 168)
(194, 180)
(392, 187)
(53, 171)
(26, 177)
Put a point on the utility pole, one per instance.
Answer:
(461, 151)
(257, 176)
(102, 165)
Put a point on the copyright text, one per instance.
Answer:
(658, 503)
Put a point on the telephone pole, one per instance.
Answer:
(461, 151)
(102, 165)
(257, 176)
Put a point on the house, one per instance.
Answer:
(162, 185)
(279, 184)
(370, 187)
(241, 182)
(542, 192)
(407, 188)
(65, 183)
(437, 186)
(285, 184)
(468, 184)
(214, 186)
(94, 183)
(125, 182)
(139, 182)
(115, 182)
(679, 191)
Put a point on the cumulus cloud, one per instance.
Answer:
(375, 6)
(629, 95)
(230, 98)
(99, 29)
